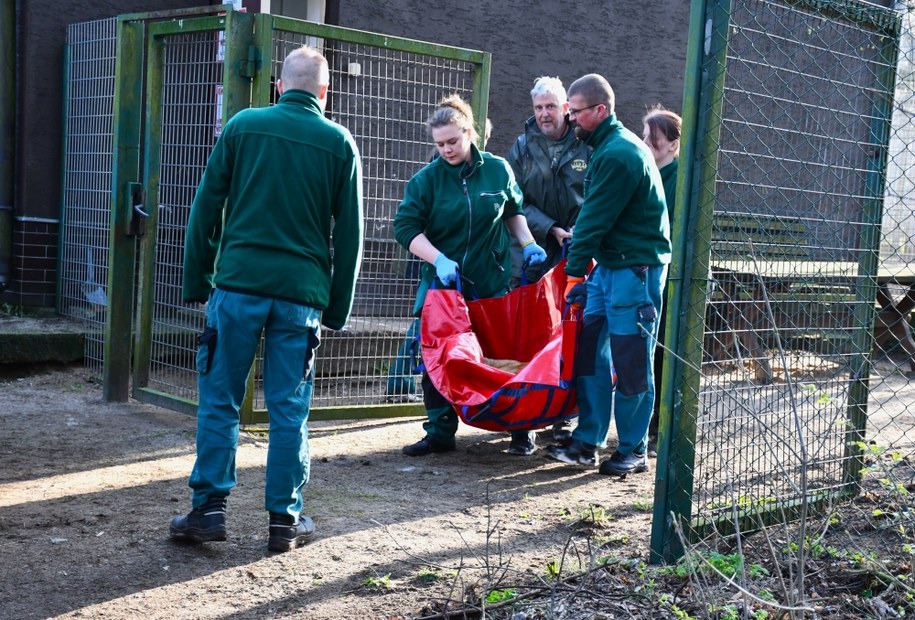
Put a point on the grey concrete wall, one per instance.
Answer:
(638, 45)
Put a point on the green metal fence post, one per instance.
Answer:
(128, 99)
(686, 320)
(479, 100)
(243, 62)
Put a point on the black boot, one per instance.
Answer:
(286, 534)
(202, 524)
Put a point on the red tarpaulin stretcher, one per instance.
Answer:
(505, 363)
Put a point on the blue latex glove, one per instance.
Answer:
(576, 292)
(533, 253)
(445, 269)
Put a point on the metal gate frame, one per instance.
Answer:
(710, 33)
(249, 50)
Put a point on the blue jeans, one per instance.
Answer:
(224, 360)
(619, 334)
(400, 375)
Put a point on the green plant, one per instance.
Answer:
(552, 570)
(728, 565)
(429, 575)
(729, 612)
(644, 504)
(679, 613)
(594, 515)
(497, 596)
(377, 583)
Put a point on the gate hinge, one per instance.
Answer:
(250, 67)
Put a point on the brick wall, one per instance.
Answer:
(34, 277)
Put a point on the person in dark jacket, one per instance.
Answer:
(456, 215)
(623, 225)
(661, 132)
(282, 186)
(549, 162)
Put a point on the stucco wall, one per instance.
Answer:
(638, 45)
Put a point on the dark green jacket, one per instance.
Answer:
(261, 220)
(623, 221)
(669, 179)
(461, 209)
(553, 186)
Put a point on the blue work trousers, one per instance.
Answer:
(224, 359)
(619, 334)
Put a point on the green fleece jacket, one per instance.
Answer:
(623, 220)
(669, 179)
(277, 182)
(461, 209)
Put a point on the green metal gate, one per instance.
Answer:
(198, 72)
(777, 233)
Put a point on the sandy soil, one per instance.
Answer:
(87, 490)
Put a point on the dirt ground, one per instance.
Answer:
(87, 490)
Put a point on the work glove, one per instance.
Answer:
(445, 269)
(576, 291)
(533, 253)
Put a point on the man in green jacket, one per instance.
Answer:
(549, 162)
(623, 225)
(258, 253)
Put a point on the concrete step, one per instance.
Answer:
(40, 339)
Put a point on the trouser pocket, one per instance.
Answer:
(206, 349)
(314, 341)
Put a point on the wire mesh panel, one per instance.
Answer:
(200, 70)
(383, 96)
(780, 232)
(83, 274)
(190, 92)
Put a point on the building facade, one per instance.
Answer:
(639, 45)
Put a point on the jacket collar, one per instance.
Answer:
(301, 98)
(603, 131)
(532, 128)
(465, 169)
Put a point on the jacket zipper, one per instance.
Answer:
(469, 222)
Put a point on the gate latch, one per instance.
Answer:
(136, 223)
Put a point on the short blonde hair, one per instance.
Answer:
(305, 69)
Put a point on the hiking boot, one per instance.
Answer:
(574, 452)
(287, 534)
(652, 447)
(203, 524)
(523, 443)
(396, 399)
(562, 431)
(427, 445)
(620, 464)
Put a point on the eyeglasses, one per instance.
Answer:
(573, 112)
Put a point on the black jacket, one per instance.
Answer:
(552, 186)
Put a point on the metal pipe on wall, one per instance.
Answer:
(7, 136)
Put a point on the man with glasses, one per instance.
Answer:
(549, 162)
(623, 225)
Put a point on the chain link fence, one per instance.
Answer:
(792, 286)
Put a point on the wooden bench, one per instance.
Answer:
(736, 302)
(766, 237)
(777, 247)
